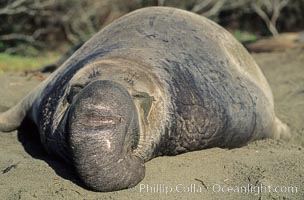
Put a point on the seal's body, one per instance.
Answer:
(158, 81)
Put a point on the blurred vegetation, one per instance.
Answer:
(29, 26)
(17, 63)
(244, 36)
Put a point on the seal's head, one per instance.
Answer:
(103, 132)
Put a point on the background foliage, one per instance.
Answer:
(27, 26)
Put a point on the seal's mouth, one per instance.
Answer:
(100, 118)
(102, 122)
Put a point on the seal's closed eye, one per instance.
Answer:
(75, 89)
(145, 101)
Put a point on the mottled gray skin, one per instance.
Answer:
(158, 81)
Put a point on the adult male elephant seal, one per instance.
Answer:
(158, 81)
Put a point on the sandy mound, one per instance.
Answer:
(262, 170)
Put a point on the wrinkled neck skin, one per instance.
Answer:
(144, 86)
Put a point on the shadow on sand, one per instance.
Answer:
(29, 137)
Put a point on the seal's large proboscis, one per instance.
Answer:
(158, 81)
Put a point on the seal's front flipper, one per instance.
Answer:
(11, 119)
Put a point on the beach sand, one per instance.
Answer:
(262, 170)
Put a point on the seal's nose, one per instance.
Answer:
(102, 122)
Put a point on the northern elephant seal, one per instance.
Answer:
(158, 81)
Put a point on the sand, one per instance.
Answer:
(262, 170)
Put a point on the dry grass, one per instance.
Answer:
(20, 63)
